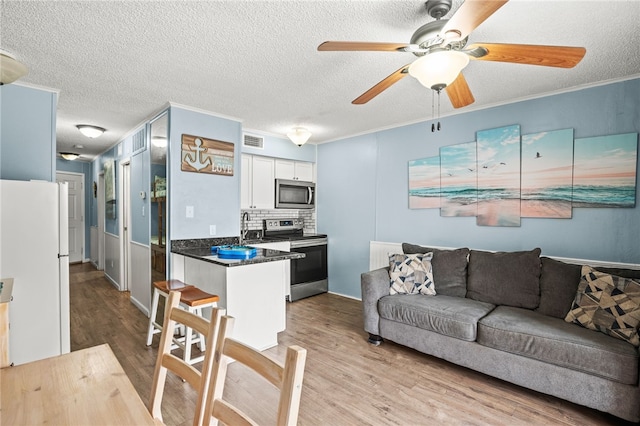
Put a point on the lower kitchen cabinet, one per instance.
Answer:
(253, 294)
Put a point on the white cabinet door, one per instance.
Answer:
(257, 185)
(285, 169)
(304, 171)
(245, 182)
(295, 170)
(262, 183)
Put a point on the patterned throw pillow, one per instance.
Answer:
(607, 303)
(411, 274)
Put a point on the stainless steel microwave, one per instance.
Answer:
(295, 194)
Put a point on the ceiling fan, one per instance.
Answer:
(442, 52)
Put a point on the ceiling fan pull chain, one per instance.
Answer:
(438, 110)
(433, 112)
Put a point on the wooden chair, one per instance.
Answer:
(200, 381)
(287, 378)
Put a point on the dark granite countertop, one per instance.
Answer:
(262, 255)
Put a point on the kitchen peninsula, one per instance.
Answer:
(252, 290)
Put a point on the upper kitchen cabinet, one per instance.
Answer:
(257, 182)
(295, 170)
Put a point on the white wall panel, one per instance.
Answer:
(140, 279)
(93, 237)
(112, 259)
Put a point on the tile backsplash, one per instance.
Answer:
(256, 217)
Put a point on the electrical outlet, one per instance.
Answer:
(212, 230)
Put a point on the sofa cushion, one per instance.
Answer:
(552, 340)
(558, 284)
(607, 303)
(449, 268)
(505, 278)
(411, 274)
(450, 316)
(634, 274)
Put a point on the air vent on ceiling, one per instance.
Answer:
(253, 141)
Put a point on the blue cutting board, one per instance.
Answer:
(235, 252)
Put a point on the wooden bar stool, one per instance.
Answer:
(161, 288)
(193, 300)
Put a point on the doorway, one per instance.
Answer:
(75, 183)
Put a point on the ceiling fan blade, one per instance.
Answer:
(468, 16)
(380, 87)
(531, 54)
(360, 46)
(459, 92)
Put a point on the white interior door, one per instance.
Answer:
(75, 183)
(125, 263)
(101, 221)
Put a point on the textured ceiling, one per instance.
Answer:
(117, 64)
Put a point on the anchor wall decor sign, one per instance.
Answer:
(201, 155)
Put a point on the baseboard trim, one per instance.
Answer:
(140, 306)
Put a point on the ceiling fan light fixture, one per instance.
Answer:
(70, 156)
(90, 131)
(438, 69)
(10, 68)
(299, 135)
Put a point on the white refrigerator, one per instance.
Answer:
(34, 248)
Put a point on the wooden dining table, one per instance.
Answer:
(85, 387)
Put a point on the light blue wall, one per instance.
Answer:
(140, 208)
(27, 133)
(363, 187)
(281, 148)
(86, 169)
(346, 206)
(215, 198)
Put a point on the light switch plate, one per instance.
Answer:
(212, 230)
(189, 211)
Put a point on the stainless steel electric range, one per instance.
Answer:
(309, 276)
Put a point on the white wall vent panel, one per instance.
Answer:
(253, 141)
(138, 142)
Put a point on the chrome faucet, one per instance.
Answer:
(244, 227)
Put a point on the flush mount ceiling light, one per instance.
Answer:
(69, 155)
(299, 135)
(10, 68)
(439, 69)
(90, 131)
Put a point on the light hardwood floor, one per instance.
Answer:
(347, 381)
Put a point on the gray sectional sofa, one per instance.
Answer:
(503, 314)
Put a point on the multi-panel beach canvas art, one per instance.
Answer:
(458, 180)
(502, 176)
(604, 171)
(499, 176)
(547, 174)
(424, 183)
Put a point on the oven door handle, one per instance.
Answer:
(310, 199)
(308, 243)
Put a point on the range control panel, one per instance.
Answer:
(283, 224)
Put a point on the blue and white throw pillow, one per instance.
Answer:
(411, 274)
